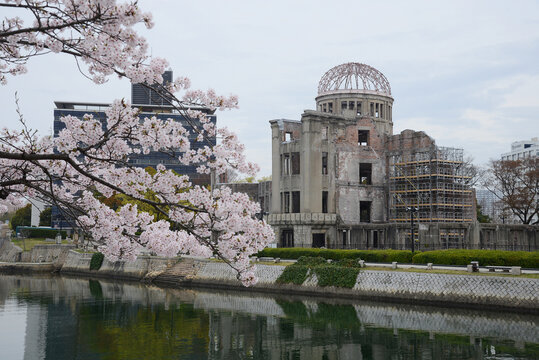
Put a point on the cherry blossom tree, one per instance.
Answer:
(87, 161)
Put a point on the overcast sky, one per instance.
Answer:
(465, 72)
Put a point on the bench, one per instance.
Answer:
(502, 268)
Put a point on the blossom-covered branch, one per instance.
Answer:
(87, 160)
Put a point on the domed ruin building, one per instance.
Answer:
(341, 179)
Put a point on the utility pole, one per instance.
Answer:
(412, 210)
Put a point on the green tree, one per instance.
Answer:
(45, 218)
(22, 217)
(482, 218)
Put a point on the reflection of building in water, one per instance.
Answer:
(81, 319)
(36, 330)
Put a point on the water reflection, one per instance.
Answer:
(68, 318)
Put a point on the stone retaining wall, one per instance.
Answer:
(136, 270)
(464, 290)
(40, 253)
(520, 294)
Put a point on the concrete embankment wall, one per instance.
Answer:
(456, 290)
(143, 266)
(520, 294)
(46, 253)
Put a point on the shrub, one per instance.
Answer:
(96, 261)
(485, 257)
(311, 261)
(349, 263)
(401, 256)
(342, 273)
(332, 275)
(295, 274)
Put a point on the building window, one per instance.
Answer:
(351, 105)
(365, 211)
(344, 238)
(372, 109)
(390, 113)
(365, 173)
(295, 163)
(287, 238)
(363, 137)
(344, 105)
(285, 202)
(377, 112)
(330, 107)
(324, 163)
(288, 136)
(286, 164)
(324, 202)
(324, 108)
(295, 202)
(358, 108)
(382, 111)
(324, 132)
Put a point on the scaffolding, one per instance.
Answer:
(435, 182)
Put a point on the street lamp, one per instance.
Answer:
(412, 210)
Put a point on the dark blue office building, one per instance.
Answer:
(151, 104)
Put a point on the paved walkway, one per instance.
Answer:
(434, 267)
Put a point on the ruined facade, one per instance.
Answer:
(341, 179)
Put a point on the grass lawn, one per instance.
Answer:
(28, 244)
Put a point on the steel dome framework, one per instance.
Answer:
(354, 76)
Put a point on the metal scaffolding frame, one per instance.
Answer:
(435, 182)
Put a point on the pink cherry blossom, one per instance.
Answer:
(86, 162)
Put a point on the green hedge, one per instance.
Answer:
(401, 256)
(293, 274)
(44, 233)
(485, 257)
(342, 273)
(96, 261)
(336, 276)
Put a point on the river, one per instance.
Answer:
(55, 317)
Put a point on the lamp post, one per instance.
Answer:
(412, 210)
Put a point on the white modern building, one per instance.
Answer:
(523, 149)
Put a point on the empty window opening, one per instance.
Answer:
(330, 107)
(295, 202)
(324, 202)
(375, 239)
(344, 105)
(285, 202)
(295, 163)
(382, 111)
(372, 109)
(286, 164)
(324, 133)
(358, 108)
(288, 136)
(287, 238)
(324, 108)
(365, 211)
(319, 240)
(324, 163)
(363, 137)
(365, 173)
(377, 112)
(344, 238)
(351, 105)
